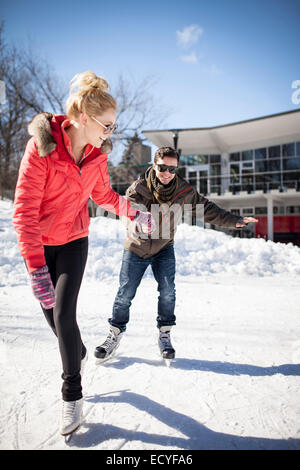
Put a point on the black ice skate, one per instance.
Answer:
(110, 345)
(165, 346)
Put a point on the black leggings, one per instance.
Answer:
(66, 264)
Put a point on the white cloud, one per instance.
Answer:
(188, 36)
(190, 58)
(213, 70)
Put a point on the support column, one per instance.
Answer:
(225, 170)
(270, 218)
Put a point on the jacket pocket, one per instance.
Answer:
(81, 222)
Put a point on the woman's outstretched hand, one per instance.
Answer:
(145, 222)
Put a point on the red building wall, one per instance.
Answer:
(281, 224)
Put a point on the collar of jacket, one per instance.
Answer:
(46, 128)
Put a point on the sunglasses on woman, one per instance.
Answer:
(162, 168)
(108, 129)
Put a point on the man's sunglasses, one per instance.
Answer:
(108, 129)
(162, 168)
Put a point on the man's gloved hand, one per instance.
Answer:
(42, 287)
(145, 222)
(242, 221)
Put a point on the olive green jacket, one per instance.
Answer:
(186, 202)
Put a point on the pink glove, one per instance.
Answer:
(42, 287)
(145, 222)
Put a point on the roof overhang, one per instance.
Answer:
(252, 133)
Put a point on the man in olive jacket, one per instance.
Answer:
(168, 197)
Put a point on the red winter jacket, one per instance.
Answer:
(52, 192)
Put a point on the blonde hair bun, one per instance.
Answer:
(88, 93)
(86, 80)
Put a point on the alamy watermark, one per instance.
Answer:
(166, 218)
(296, 94)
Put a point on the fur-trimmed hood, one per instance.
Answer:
(40, 128)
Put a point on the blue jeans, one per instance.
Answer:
(132, 270)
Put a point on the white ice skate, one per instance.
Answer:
(71, 416)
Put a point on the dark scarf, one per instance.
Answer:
(162, 193)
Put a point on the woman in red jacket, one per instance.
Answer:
(64, 164)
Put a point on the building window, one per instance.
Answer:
(215, 170)
(235, 211)
(215, 185)
(247, 155)
(278, 210)
(193, 178)
(247, 180)
(298, 149)
(234, 173)
(234, 157)
(274, 178)
(261, 165)
(274, 152)
(261, 210)
(215, 159)
(293, 210)
(202, 159)
(291, 163)
(248, 211)
(288, 150)
(274, 164)
(291, 179)
(260, 154)
(183, 160)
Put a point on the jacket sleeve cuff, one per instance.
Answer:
(35, 262)
(133, 213)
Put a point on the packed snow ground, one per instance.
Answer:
(235, 381)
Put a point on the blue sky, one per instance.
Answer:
(214, 62)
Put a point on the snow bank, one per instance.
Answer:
(198, 252)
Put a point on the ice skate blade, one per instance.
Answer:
(69, 434)
(168, 362)
(100, 361)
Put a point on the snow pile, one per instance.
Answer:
(199, 251)
(203, 251)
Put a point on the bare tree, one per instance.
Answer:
(33, 87)
(137, 109)
(30, 88)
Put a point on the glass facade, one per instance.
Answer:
(265, 168)
(199, 159)
(275, 167)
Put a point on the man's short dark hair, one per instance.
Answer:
(165, 152)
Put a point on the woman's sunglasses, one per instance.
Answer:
(162, 168)
(108, 129)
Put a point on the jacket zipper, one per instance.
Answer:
(82, 159)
